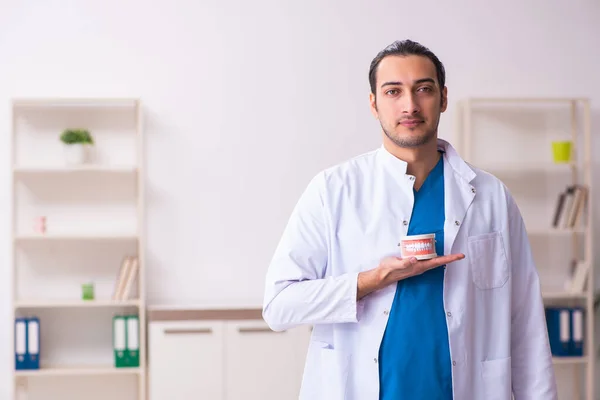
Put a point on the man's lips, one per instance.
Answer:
(409, 123)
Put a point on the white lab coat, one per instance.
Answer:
(352, 215)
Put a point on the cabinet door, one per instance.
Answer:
(185, 360)
(261, 364)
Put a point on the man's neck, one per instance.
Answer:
(421, 160)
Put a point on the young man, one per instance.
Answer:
(468, 324)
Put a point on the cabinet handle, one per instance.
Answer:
(257, 330)
(187, 331)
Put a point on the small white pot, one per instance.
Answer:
(76, 153)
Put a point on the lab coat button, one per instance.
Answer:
(412, 178)
(375, 359)
(456, 223)
(449, 314)
(386, 312)
(454, 363)
(473, 190)
(405, 223)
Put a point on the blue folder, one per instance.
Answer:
(577, 331)
(558, 320)
(33, 343)
(20, 338)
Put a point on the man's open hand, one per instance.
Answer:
(392, 269)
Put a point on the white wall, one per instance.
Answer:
(245, 101)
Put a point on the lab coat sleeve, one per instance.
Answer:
(533, 374)
(298, 289)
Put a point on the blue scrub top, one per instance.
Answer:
(414, 356)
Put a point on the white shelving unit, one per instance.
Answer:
(95, 217)
(511, 138)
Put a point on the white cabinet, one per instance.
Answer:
(261, 364)
(186, 360)
(225, 360)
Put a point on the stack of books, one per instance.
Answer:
(124, 284)
(570, 207)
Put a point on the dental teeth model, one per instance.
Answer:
(420, 246)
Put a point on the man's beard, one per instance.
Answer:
(412, 141)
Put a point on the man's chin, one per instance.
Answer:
(412, 140)
(409, 138)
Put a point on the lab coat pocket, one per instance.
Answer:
(487, 260)
(496, 375)
(334, 373)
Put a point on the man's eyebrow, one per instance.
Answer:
(397, 83)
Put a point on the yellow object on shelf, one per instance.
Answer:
(561, 151)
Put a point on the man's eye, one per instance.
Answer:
(392, 92)
(425, 89)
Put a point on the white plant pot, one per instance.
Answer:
(76, 153)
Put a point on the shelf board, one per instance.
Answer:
(526, 99)
(76, 303)
(517, 168)
(74, 236)
(65, 169)
(75, 102)
(569, 360)
(76, 371)
(563, 296)
(554, 231)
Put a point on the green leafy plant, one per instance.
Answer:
(76, 136)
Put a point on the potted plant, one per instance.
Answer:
(76, 144)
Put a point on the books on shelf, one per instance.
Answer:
(565, 331)
(578, 281)
(125, 279)
(570, 206)
(126, 342)
(27, 343)
(126, 346)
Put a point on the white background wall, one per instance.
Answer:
(245, 101)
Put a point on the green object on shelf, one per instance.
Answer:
(561, 151)
(120, 341)
(76, 136)
(87, 291)
(133, 341)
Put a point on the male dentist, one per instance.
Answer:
(468, 324)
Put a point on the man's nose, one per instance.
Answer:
(410, 104)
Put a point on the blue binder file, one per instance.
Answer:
(20, 343)
(559, 331)
(577, 329)
(33, 343)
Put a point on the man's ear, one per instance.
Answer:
(444, 104)
(373, 102)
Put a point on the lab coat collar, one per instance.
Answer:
(397, 166)
(459, 166)
(455, 161)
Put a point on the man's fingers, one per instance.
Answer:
(412, 266)
(441, 260)
(407, 262)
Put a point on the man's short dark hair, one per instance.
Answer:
(406, 48)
